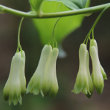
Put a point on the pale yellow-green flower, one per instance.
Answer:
(16, 83)
(44, 79)
(94, 43)
(97, 75)
(83, 82)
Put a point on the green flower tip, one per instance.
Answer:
(103, 72)
(16, 83)
(44, 79)
(83, 82)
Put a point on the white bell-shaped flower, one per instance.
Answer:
(44, 79)
(94, 43)
(83, 81)
(97, 76)
(16, 83)
(35, 83)
(49, 82)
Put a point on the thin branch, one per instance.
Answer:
(4, 9)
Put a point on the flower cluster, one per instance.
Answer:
(16, 83)
(44, 79)
(85, 82)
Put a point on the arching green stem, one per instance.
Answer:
(53, 39)
(94, 25)
(4, 9)
(19, 30)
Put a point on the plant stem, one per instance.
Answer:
(19, 30)
(94, 25)
(4, 9)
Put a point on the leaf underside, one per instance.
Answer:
(65, 25)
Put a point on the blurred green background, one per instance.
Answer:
(66, 67)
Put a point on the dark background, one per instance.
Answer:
(66, 68)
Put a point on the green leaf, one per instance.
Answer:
(64, 26)
(76, 4)
(35, 4)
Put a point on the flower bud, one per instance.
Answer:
(94, 43)
(83, 81)
(16, 83)
(97, 77)
(44, 79)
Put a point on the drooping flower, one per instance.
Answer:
(22, 72)
(44, 79)
(16, 83)
(94, 43)
(97, 76)
(83, 82)
(34, 86)
(49, 82)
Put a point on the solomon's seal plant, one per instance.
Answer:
(44, 79)
(85, 82)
